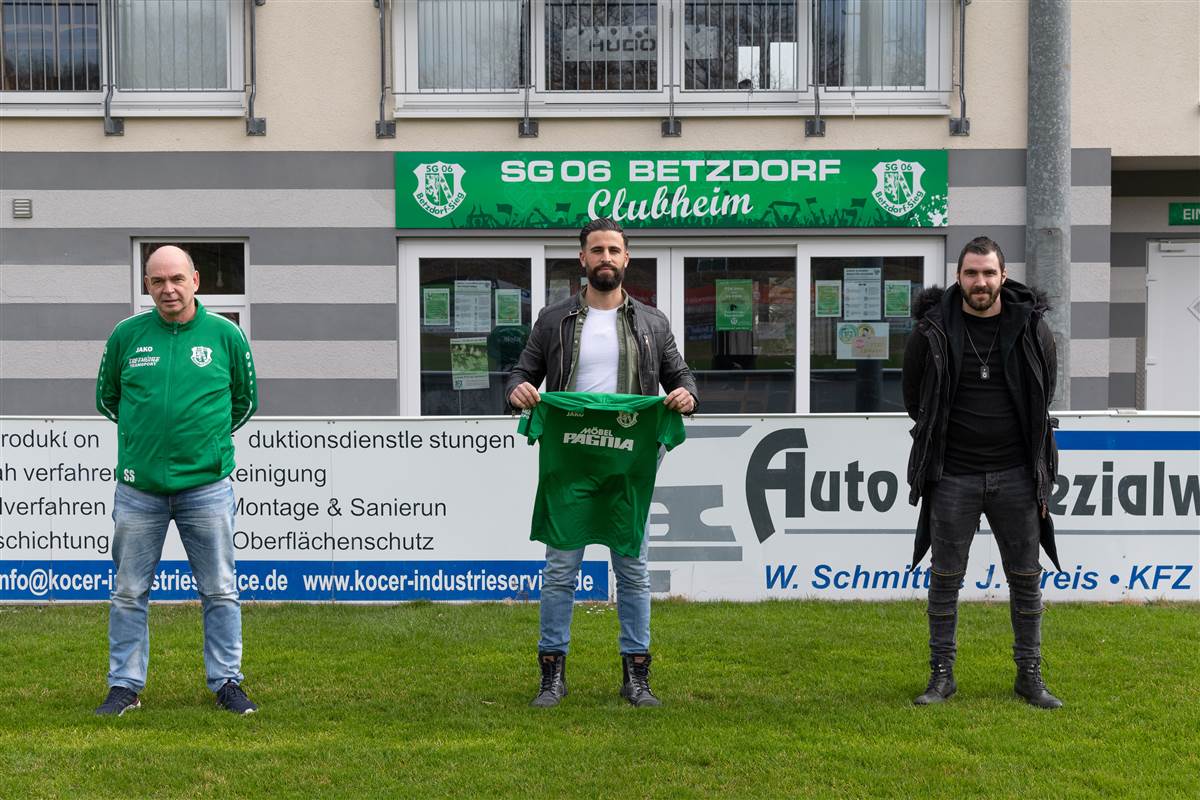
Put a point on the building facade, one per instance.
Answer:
(385, 196)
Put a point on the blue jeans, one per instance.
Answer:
(1009, 500)
(204, 517)
(558, 599)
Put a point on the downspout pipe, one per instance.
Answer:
(255, 126)
(961, 125)
(1048, 174)
(113, 126)
(384, 128)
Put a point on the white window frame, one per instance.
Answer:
(670, 252)
(411, 101)
(216, 303)
(135, 103)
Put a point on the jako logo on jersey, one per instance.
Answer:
(201, 356)
(626, 419)
(598, 437)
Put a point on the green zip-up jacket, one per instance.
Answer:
(177, 392)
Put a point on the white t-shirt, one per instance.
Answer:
(598, 352)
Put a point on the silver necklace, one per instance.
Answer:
(984, 372)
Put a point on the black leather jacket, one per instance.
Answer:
(551, 347)
(931, 365)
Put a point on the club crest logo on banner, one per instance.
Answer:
(439, 187)
(201, 356)
(898, 186)
(626, 419)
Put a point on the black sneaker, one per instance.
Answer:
(119, 701)
(636, 685)
(231, 698)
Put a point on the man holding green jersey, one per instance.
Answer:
(177, 380)
(600, 340)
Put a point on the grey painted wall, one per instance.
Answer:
(331, 213)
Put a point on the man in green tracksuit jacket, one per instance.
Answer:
(177, 380)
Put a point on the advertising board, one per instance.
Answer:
(381, 510)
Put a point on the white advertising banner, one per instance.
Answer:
(380, 510)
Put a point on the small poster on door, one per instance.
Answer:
(860, 341)
(862, 293)
(735, 305)
(469, 363)
(829, 298)
(472, 306)
(897, 297)
(508, 307)
(436, 304)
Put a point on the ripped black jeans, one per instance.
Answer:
(1009, 500)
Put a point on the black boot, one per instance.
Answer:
(636, 684)
(554, 680)
(1032, 688)
(941, 684)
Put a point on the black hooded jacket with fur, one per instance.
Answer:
(930, 378)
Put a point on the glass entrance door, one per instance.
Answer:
(739, 327)
(860, 318)
(469, 312)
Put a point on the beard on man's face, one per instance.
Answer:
(982, 300)
(605, 279)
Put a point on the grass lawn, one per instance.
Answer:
(777, 699)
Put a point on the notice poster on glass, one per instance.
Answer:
(508, 307)
(436, 304)
(472, 306)
(897, 297)
(861, 291)
(469, 363)
(735, 305)
(858, 341)
(829, 298)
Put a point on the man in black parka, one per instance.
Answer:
(979, 374)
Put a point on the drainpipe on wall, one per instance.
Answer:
(384, 128)
(1048, 174)
(255, 126)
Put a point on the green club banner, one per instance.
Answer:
(692, 189)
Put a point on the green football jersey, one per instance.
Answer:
(596, 466)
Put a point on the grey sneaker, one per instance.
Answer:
(119, 701)
(231, 698)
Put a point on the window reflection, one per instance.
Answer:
(743, 364)
(861, 321)
(475, 319)
(564, 277)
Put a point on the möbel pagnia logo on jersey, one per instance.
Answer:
(898, 187)
(439, 187)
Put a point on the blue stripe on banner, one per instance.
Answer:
(372, 581)
(1127, 440)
